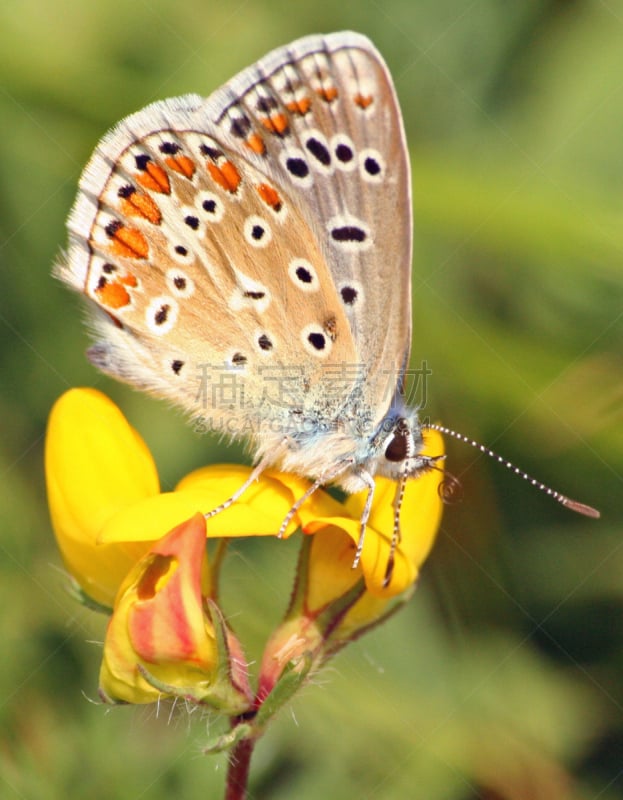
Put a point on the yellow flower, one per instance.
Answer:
(263, 507)
(161, 641)
(107, 510)
(120, 536)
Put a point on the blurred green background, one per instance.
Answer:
(503, 679)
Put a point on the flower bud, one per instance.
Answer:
(165, 638)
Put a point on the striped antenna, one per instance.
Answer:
(574, 505)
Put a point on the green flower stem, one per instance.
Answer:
(238, 769)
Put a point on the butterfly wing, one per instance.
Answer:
(323, 115)
(232, 245)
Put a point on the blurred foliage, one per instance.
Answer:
(503, 680)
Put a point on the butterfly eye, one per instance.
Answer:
(396, 450)
(401, 443)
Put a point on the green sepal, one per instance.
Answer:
(243, 730)
(223, 669)
(223, 698)
(333, 613)
(76, 592)
(334, 645)
(292, 677)
(296, 608)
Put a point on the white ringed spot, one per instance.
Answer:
(352, 295)
(161, 315)
(319, 151)
(371, 166)
(303, 275)
(257, 231)
(179, 283)
(180, 253)
(210, 206)
(296, 164)
(192, 222)
(349, 234)
(174, 365)
(237, 360)
(316, 341)
(343, 149)
(264, 343)
(249, 293)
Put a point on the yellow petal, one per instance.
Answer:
(260, 511)
(374, 556)
(330, 568)
(95, 464)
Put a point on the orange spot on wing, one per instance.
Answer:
(139, 204)
(182, 164)
(227, 176)
(363, 101)
(256, 143)
(154, 178)
(113, 295)
(128, 280)
(128, 242)
(277, 123)
(327, 93)
(270, 196)
(301, 106)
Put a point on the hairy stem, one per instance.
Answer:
(238, 770)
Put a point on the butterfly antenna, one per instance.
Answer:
(574, 505)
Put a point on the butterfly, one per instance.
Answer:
(248, 257)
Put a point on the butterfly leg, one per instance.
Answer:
(288, 517)
(255, 474)
(369, 481)
(325, 478)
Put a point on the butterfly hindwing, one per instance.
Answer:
(323, 115)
